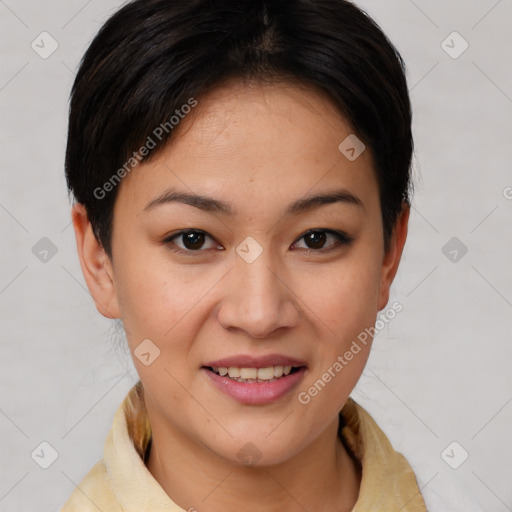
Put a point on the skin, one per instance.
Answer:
(258, 147)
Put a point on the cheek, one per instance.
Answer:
(344, 304)
(344, 307)
(343, 296)
(155, 294)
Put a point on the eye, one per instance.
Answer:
(316, 238)
(193, 240)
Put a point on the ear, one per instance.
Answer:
(96, 265)
(393, 255)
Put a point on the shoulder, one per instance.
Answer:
(388, 481)
(93, 493)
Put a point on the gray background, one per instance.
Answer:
(438, 373)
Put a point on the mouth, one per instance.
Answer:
(255, 380)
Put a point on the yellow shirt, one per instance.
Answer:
(121, 481)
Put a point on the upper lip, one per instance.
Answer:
(250, 361)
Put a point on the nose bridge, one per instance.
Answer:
(258, 279)
(259, 289)
(256, 301)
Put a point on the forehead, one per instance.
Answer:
(246, 115)
(242, 139)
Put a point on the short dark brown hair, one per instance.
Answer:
(153, 56)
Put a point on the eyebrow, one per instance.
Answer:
(209, 204)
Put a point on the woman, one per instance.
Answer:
(241, 175)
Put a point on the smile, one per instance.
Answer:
(254, 390)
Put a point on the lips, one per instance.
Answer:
(255, 391)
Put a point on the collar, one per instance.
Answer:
(388, 482)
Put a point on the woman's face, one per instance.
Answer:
(248, 287)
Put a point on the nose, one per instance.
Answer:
(258, 298)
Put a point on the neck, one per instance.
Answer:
(322, 477)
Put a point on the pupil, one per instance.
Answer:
(317, 238)
(195, 239)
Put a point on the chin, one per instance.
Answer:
(256, 452)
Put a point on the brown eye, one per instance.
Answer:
(316, 239)
(193, 240)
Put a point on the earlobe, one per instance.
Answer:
(95, 263)
(393, 255)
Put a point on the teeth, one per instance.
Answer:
(267, 374)
(233, 371)
(248, 373)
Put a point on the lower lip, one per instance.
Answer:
(256, 393)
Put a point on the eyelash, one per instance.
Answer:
(343, 239)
